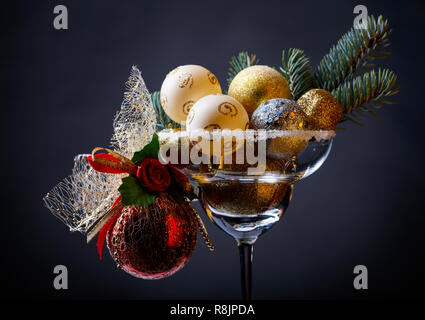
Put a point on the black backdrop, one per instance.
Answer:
(62, 89)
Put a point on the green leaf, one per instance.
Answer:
(149, 151)
(353, 52)
(297, 71)
(372, 87)
(132, 193)
(163, 121)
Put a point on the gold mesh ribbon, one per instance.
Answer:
(86, 196)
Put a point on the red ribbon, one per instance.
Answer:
(101, 237)
(104, 168)
(111, 162)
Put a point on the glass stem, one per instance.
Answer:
(245, 251)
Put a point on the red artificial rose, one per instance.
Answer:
(153, 175)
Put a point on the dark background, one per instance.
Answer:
(62, 89)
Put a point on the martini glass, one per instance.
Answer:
(246, 195)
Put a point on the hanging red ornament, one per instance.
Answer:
(156, 241)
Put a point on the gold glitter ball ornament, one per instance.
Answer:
(244, 198)
(248, 198)
(322, 109)
(257, 84)
(285, 147)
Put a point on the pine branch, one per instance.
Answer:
(371, 88)
(354, 51)
(240, 62)
(162, 120)
(297, 71)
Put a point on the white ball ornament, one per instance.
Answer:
(217, 111)
(183, 87)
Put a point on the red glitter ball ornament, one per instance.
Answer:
(154, 242)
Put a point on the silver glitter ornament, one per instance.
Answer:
(279, 114)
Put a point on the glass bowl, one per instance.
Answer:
(245, 178)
